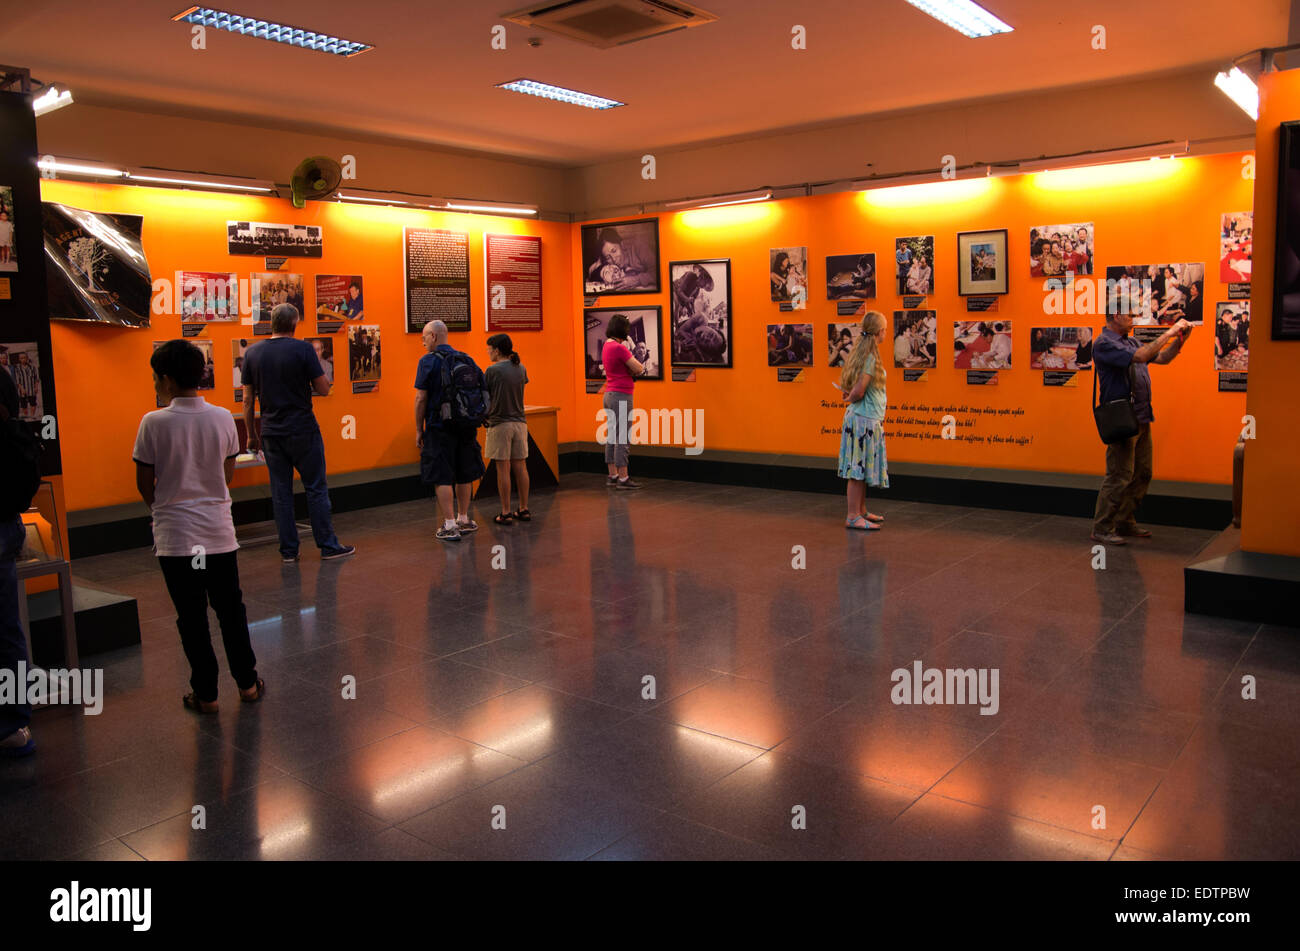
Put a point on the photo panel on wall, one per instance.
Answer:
(700, 312)
(789, 345)
(364, 357)
(275, 240)
(620, 257)
(338, 298)
(914, 263)
(271, 289)
(208, 296)
(916, 339)
(1235, 239)
(1060, 348)
(23, 364)
(840, 341)
(981, 344)
(238, 347)
(1157, 294)
(850, 276)
(1055, 250)
(789, 276)
(982, 262)
(8, 249)
(644, 339)
(324, 347)
(1232, 336)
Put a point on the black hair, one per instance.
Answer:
(355, 283)
(609, 236)
(781, 256)
(619, 327)
(504, 347)
(181, 361)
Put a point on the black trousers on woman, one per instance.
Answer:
(192, 590)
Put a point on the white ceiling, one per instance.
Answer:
(430, 77)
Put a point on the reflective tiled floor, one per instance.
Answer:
(509, 686)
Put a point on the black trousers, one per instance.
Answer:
(192, 590)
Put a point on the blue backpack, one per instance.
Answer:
(465, 396)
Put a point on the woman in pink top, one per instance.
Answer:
(620, 369)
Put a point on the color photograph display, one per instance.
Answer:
(981, 344)
(621, 257)
(324, 347)
(338, 297)
(850, 276)
(363, 354)
(1060, 348)
(789, 345)
(1235, 236)
(840, 341)
(8, 250)
(916, 339)
(238, 347)
(274, 288)
(22, 362)
(645, 339)
(1232, 336)
(1055, 250)
(914, 265)
(208, 296)
(701, 313)
(264, 238)
(1157, 294)
(982, 262)
(789, 276)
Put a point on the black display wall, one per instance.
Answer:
(24, 315)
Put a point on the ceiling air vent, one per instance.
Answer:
(608, 23)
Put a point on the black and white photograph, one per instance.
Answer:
(363, 353)
(273, 289)
(982, 262)
(324, 347)
(1157, 294)
(262, 238)
(1232, 336)
(916, 339)
(1060, 348)
(914, 265)
(850, 276)
(644, 339)
(789, 276)
(8, 250)
(701, 313)
(620, 257)
(981, 344)
(840, 340)
(1057, 250)
(789, 345)
(22, 362)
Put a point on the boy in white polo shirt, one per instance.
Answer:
(185, 459)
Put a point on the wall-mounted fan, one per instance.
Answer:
(316, 178)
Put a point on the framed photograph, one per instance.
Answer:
(1157, 294)
(1057, 250)
(916, 339)
(1235, 241)
(620, 257)
(701, 312)
(789, 276)
(263, 238)
(914, 263)
(8, 254)
(645, 339)
(324, 347)
(363, 353)
(338, 297)
(850, 276)
(789, 345)
(1060, 348)
(982, 262)
(840, 341)
(273, 289)
(981, 344)
(22, 362)
(1232, 336)
(208, 296)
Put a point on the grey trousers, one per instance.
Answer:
(616, 439)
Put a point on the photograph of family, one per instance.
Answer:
(1157, 294)
(981, 344)
(620, 257)
(914, 259)
(850, 276)
(1232, 336)
(916, 340)
(1060, 348)
(701, 313)
(789, 277)
(1055, 250)
(789, 345)
(1234, 247)
(840, 340)
(643, 338)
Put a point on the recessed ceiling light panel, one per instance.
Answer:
(532, 87)
(269, 30)
(964, 16)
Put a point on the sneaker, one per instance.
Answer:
(345, 552)
(448, 534)
(627, 484)
(466, 527)
(288, 559)
(18, 743)
(1109, 539)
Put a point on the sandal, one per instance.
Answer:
(192, 702)
(503, 519)
(874, 518)
(259, 690)
(865, 525)
(522, 514)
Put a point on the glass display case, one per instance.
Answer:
(44, 541)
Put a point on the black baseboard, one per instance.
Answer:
(1248, 586)
(105, 621)
(1184, 511)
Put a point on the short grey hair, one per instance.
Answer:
(283, 319)
(437, 328)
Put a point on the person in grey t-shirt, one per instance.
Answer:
(507, 431)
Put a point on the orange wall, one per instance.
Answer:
(103, 374)
(1270, 517)
(1148, 213)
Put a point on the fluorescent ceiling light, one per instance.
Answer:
(201, 183)
(487, 209)
(53, 98)
(72, 168)
(532, 87)
(717, 201)
(1113, 157)
(922, 178)
(267, 30)
(964, 16)
(377, 201)
(1241, 89)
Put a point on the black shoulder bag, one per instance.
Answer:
(1117, 419)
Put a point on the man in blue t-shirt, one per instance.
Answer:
(1128, 463)
(283, 373)
(449, 461)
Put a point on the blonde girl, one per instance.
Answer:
(862, 443)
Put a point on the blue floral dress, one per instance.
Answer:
(862, 438)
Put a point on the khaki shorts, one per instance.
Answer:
(507, 441)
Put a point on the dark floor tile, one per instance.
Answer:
(668, 838)
(747, 711)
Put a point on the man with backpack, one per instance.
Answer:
(20, 476)
(451, 403)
